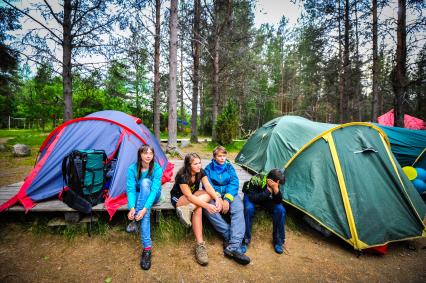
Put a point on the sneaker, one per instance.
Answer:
(237, 256)
(201, 254)
(278, 249)
(146, 259)
(244, 248)
(133, 227)
(185, 213)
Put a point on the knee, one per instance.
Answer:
(279, 209)
(146, 184)
(237, 205)
(207, 197)
(249, 210)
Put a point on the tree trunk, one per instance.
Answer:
(215, 58)
(203, 106)
(341, 80)
(182, 105)
(196, 54)
(376, 67)
(66, 62)
(358, 91)
(346, 65)
(156, 104)
(399, 78)
(172, 125)
(215, 106)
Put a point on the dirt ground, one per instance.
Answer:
(26, 256)
(30, 257)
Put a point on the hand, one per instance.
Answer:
(273, 185)
(225, 207)
(141, 214)
(211, 208)
(219, 204)
(131, 214)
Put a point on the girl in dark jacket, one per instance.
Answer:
(189, 199)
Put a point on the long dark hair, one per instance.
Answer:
(144, 149)
(185, 171)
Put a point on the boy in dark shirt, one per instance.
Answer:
(264, 190)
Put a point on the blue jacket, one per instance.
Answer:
(223, 179)
(133, 183)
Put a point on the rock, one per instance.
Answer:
(184, 143)
(2, 147)
(21, 150)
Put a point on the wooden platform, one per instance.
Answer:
(9, 191)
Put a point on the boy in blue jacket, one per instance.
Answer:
(224, 180)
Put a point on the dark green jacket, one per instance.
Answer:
(256, 190)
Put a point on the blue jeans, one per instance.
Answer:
(145, 190)
(278, 220)
(232, 233)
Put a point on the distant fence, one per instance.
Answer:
(26, 123)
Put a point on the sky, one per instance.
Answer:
(266, 11)
(271, 11)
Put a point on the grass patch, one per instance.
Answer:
(38, 225)
(235, 146)
(179, 135)
(16, 133)
(32, 139)
(14, 169)
(171, 230)
(101, 227)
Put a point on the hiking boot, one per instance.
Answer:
(146, 259)
(237, 256)
(185, 213)
(133, 227)
(201, 254)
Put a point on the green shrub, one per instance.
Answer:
(227, 124)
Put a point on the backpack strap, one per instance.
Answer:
(65, 170)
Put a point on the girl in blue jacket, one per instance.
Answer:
(143, 191)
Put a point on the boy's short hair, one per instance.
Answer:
(219, 149)
(277, 175)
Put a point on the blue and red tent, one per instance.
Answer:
(119, 134)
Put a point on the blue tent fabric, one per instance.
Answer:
(406, 144)
(48, 181)
(119, 134)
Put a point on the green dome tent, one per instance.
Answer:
(343, 176)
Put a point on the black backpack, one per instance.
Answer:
(83, 172)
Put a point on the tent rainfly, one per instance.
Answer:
(119, 134)
(343, 176)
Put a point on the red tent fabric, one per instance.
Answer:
(410, 122)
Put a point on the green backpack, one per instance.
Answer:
(83, 172)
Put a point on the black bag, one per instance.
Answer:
(83, 172)
(75, 201)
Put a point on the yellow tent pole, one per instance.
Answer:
(359, 245)
(418, 157)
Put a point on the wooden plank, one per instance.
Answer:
(9, 191)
